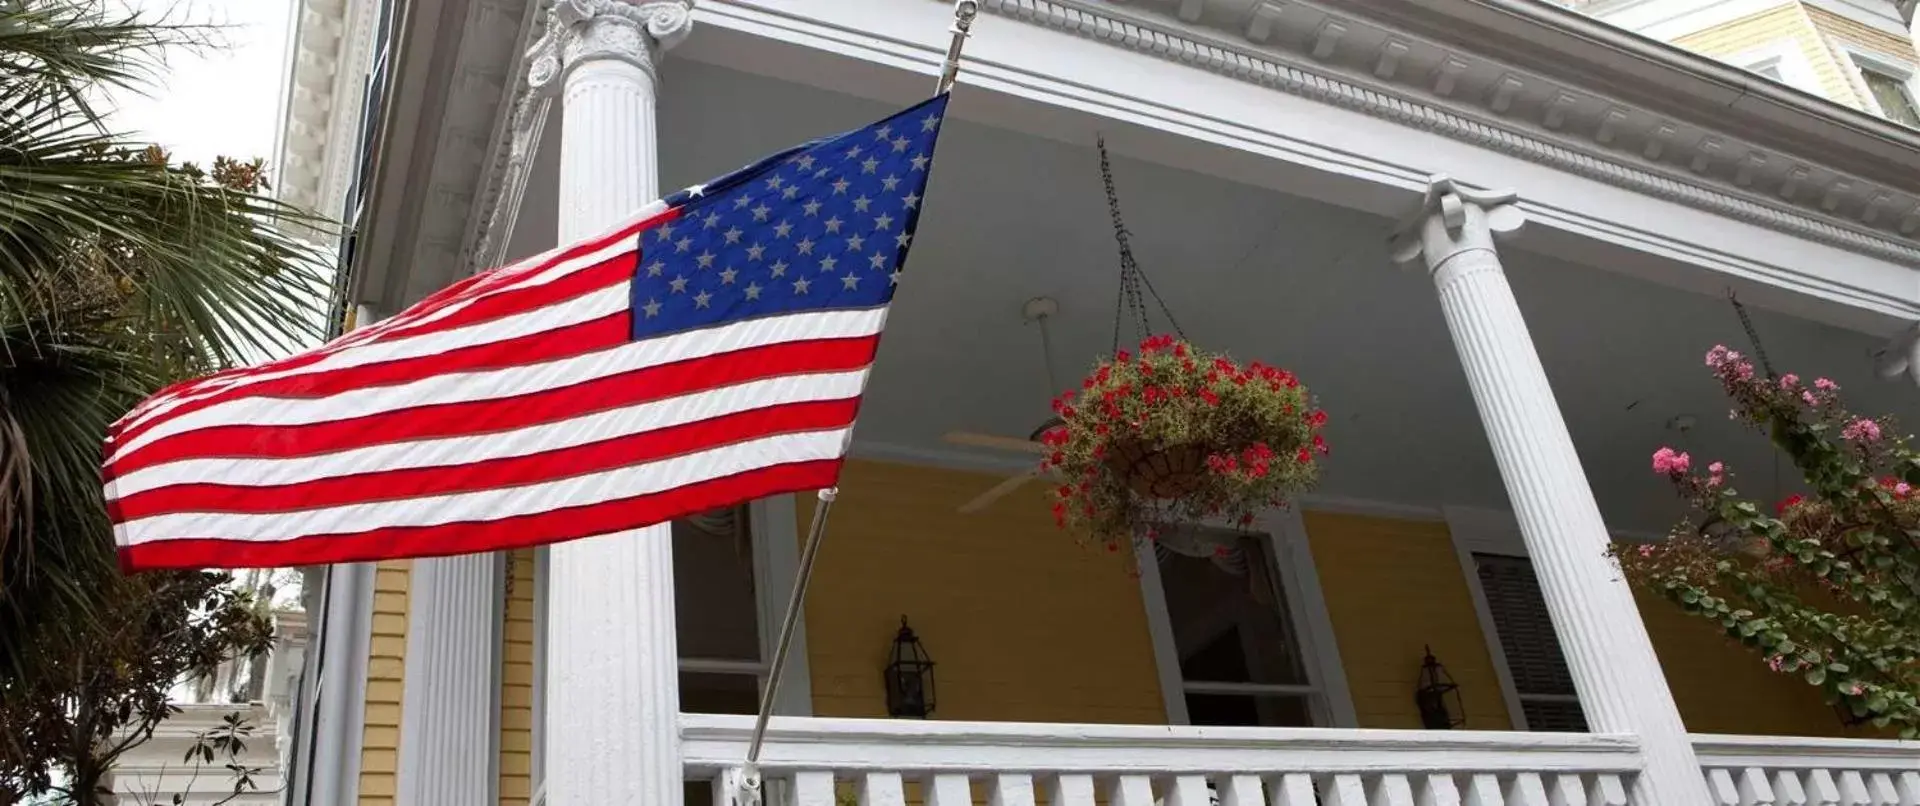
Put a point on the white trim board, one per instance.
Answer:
(1339, 139)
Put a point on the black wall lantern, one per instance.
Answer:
(909, 676)
(1438, 696)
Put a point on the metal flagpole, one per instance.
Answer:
(747, 789)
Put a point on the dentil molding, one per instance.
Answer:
(1307, 50)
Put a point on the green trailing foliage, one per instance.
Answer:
(1824, 586)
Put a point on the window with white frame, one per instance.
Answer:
(1891, 87)
(1532, 648)
(1768, 68)
(1892, 95)
(1238, 647)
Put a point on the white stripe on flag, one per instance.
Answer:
(519, 380)
(496, 504)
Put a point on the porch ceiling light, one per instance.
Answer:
(909, 676)
(1438, 696)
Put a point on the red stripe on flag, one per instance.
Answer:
(392, 485)
(553, 526)
(402, 324)
(609, 331)
(573, 286)
(491, 416)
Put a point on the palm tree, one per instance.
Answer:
(120, 271)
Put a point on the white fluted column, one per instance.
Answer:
(613, 693)
(448, 719)
(1621, 686)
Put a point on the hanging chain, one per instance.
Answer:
(1753, 336)
(1130, 301)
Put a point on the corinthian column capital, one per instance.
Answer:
(581, 31)
(1452, 220)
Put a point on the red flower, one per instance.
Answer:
(1122, 357)
(1211, 398)
(1317, 418)
(1303, 456)
(1181, 350)
(1788, 502)
(1320, 444)
(1057, 458)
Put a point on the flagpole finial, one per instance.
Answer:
(963, 13)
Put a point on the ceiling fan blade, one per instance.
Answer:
(996, 443)
(997, 492)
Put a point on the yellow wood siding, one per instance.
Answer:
(1790, 20)
(1023, 623)
(1722, 687)
(386, 667)
(516, 684)
(1394, 587)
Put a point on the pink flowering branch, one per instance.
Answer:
(1824, 585)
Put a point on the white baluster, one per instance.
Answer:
(1526, 790)
(1484, 790)
(1821, 790)
(723, 783)
(948, 789)
(1880, 787)
(1070, 790)
(1131, 790)
(1565, 790)
(1787, 789)
(1754, 789)
(1345, 789)
(1908, 785)
(1607, 790)
(1188, 790)
(1392, 790)
(1439, 790)
(881, 789)
(1241, 790)
(1292, 789)
(813, 789)
(1015, 789)
(1720, 786)
(1853, 789)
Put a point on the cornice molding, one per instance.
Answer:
(515, 140)
(1305, 50)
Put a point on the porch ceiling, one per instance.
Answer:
(1262, 274)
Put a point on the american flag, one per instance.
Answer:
(711, 350)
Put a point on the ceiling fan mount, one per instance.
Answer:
(1035, 311)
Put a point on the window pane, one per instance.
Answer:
(1250, 710)
(1769, 68)
(717, 614)
(717, 693)
(1229, 619)
(1891, 94)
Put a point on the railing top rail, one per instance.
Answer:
(712, 741)
(1805, 752)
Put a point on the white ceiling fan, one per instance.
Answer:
(1037, 310)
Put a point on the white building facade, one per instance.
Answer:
(1472, 224)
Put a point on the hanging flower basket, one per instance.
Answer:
(1177, 435)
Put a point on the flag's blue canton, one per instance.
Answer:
(825, 226)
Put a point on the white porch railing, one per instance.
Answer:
(1136, 765)
(1790, 771)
